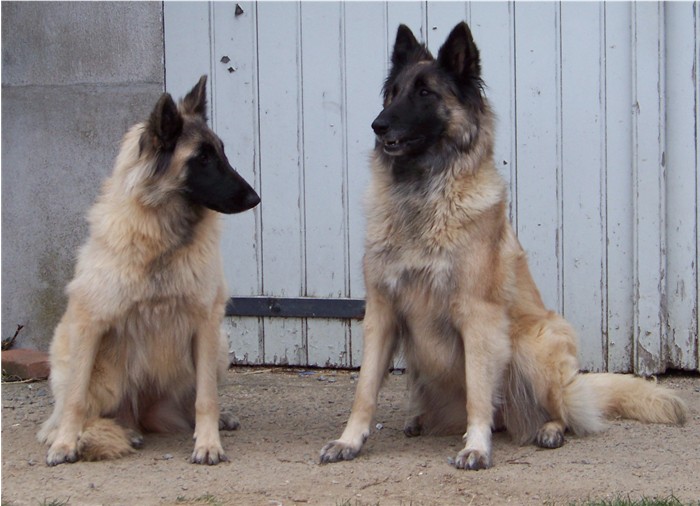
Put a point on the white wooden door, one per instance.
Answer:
(597, 108)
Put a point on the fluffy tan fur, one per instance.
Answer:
(448, 281)
(139, 346)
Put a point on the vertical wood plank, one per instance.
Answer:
(696, 12)
(618, 161)
(649, 185)
(681, 168)
(538, 133)
(234, 118)
(281, 158)
(324, 174)
(583, 130)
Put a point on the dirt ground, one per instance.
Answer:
(287, 416)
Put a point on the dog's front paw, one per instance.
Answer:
(209, 455)
(61, 453)
(472, 460)
(337, 450)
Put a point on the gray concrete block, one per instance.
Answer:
(58, 145)
(57, 43)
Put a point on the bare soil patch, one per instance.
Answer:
(287, 416)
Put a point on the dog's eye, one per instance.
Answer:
(203, 157)
(424, 92)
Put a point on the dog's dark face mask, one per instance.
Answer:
(210, 180)
(421, 94)
(213, 183)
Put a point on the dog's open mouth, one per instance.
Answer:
(394, 146)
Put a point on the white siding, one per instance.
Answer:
(597, 134)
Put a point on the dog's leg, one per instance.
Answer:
(486, 353)
(83, 335)
(378, 347)
(207, 448)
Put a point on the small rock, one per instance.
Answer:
(168, 456)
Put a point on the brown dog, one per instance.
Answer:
(448, 281)
(139, 347)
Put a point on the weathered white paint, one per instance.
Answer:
(618, 176)
(681, 170)
(648, 183)
(597, 134)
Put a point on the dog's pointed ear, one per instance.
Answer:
(459, 54)
(195, 102)
(407, 49)
(165, 124)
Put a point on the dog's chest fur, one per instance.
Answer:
(152, 268)
(430, 253)
(423, 240)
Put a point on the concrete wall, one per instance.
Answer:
(75, 76)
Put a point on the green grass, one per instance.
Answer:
(202, 499)
(54, 502)
(356, 502)
(645, 501)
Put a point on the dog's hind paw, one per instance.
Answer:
(550, 436)
(413, 427)
(228, 422)
(60, 454)
(211, 455)
(337, 450)
(472, 460)
(135, 439)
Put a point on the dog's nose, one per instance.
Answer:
(252, 199)
(380, 125)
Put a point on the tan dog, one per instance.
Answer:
(139, 347)
(448, 281)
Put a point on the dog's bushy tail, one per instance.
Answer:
(587, 401)
(104, 439)
(543, 383)
(627, 396)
